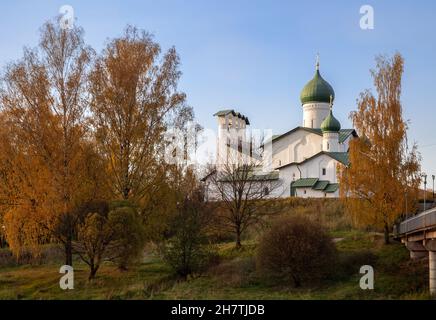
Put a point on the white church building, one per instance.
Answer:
(305, 159)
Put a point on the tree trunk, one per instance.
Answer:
(386, 232)
(297, 282)
(92, 272)
(238, 238)
(69, 252)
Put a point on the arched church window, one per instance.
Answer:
(312, 124)
(328, 146)
(324, 171)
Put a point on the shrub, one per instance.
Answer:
(296, 250)
(188, 250)
(129, 233)
(93, 241)
(108, 233)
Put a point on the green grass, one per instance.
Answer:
(396, 277)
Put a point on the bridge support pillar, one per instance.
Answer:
(416, 249)
(415, 255)
(432, 272)
(430, 245)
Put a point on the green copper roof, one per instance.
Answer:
(342, 157)
(317, 90)
(321, 185)
(330, 124)
(304, 183)
(344, 133)
(332, 187)
(316, 184)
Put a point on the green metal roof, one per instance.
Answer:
(321, 185)
(342, 157)
(316, 184)
(304, 183)
(330, 123)
(344, 134)
(317, 90)
(332, 187)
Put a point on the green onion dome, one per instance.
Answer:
(317, 90)
(330, 124)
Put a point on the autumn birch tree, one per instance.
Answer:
(134, 101)
(384, 172)
(43, 98)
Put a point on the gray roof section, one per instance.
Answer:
(341, 157)
(223, 113)
(343, 133)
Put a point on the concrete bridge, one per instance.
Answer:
(418, 233)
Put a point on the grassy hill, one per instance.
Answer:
(235, 276)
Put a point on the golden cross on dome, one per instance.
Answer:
(317, 61)
(331, 102)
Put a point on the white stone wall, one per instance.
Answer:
(296, 147)
(314, 114)
(310, 169)
(276, 189)
(310, 193)
(330, 142)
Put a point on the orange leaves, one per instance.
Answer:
(383, 172)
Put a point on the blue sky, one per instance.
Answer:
(256, 56)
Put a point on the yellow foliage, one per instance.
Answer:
(384, 174)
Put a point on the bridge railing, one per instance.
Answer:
(422, 221)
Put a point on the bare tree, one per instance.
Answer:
(244, 191)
